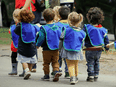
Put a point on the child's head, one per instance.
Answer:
(64, 12)
(95, 15)
(57, 16)
(48, 15)
(26, 15)
(16, 15)
(75, 19)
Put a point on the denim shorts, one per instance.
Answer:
(24, 59)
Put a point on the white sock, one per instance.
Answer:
(27, 69)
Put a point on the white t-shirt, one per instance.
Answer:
(66, 1)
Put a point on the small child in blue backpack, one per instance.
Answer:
(48, 39)
(71, 42)
(14, 44)
(62, 22)
(96, 36)
(27, 52)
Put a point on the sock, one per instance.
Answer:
(27, 69)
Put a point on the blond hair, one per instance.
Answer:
(75, 19)
(56, 10)
(16, 15)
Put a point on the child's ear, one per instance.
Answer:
(44, 19)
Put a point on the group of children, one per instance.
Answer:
(61, 37)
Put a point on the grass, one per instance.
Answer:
(5, 37)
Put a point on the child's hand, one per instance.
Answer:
(37, 47)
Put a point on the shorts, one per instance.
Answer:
(24, 59)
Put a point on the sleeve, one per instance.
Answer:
(9, 31)
(61, 41)
(40, 38)
(84, 28)
(106, 41)
(18, 29)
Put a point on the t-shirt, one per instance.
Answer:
(20, 3)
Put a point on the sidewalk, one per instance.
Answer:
(105, 80)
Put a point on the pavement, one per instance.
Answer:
(105, 80)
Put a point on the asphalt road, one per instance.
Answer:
(35, 79)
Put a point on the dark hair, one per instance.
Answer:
(26, 15)
(48, 14)
(95, 15)
(64, 12)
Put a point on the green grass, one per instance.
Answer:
(5, 37)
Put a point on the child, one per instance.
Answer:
(96, 36)
(63, 13)
(57, 16)
(49, 36)
(26, 44)
(14, 43)
(73, 38)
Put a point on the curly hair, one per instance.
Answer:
(26, 16)
(48, 14)
(95, 15)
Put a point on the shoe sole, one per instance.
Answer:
(33, 71)
(13, 74)
(67, 77)
(56, 77)
(76, 82)
(21, 75)
(27, 76)
(72, 83)
(90, 81)
(46, 79)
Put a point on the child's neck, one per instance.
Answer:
(50, 22)
(95, 25)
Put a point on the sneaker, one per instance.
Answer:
(12, 73)
(67, 76)
(60, 70)
(22, 74)
(52, 74)
(72, 80)
(33, 70)
(95, 78)
(90, 79)
(76, 80)
(56, 77)
(27, 75)
(46, 78)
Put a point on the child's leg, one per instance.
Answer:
(46, 62)
(30, 66)
(71, 69)
(14, 63)
(90, 64)
(66, 70)
(76, 70)
(96, 66)
(27, 71)
(60, 61)
(55, 65)
(55, 59)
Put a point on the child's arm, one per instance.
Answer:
(41, 38)
(106, 41)
(61, 41)
(18, 29)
